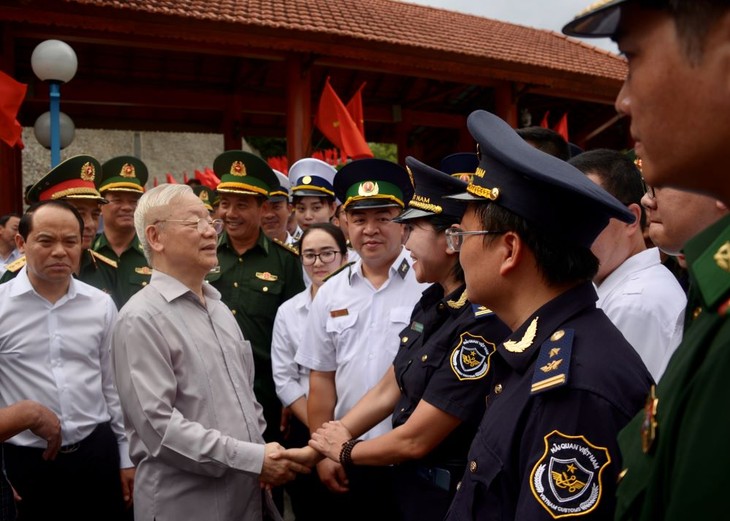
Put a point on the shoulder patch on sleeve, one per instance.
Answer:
(16, 265)
(553, 363)
(338, 270)
(566, 480)
(287, 247)
(103, 258)
(470, 359)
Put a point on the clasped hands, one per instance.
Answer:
(326, 442)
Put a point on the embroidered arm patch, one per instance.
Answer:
(470, 359)
(566, 480)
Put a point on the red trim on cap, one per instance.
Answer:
(66, 185)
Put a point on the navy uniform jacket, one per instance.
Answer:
(564, 384)
(254, 285)
(678, 469)
(443, 359)
(430, 365)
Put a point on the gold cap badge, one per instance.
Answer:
(128, 171)
(88, 172)
(368, 188)
(306, 180)
(238, 169)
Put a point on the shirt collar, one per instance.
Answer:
(261, 242)
(641, 261)
(171, 288)
(404, 255)
(549, 318)
(22, 286)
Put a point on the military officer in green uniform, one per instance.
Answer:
(676, 453)
(256, 274)
(208, 197)
(122, 184)
(75, 180)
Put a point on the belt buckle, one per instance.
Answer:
(69, 449)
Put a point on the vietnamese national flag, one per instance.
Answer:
(544, 123)
(12, 94)
(354, 107)
(213, 179)
(170, 179)
(154, 181)
(337, 125)
(562, 127)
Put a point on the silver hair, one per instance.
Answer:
(149, 206)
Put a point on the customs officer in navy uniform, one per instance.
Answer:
(122, 184)
(75, 180)
(257, 274)
(436, 386)
(565, 381)
(676, 452)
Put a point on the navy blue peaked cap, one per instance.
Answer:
(431, 187)
(546, 191)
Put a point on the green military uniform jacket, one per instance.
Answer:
(133, 272)
(96, 270)
(253, 286)
(683, 472)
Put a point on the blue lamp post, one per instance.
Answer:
(54, 61)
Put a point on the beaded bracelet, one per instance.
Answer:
(346, 452)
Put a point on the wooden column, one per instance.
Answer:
(232, 124)
(506, 104)
(298, 108)
(11, 164)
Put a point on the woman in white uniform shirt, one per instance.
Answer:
(323, 250)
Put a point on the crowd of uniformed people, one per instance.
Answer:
(525, 332)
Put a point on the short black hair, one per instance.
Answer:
(546, 140)
(619, 176)
(26, 222)
(330, 228)
(5, 218)
(440, 223)
(560, 261)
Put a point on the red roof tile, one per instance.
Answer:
(397, 24)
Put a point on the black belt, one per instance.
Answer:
(71, 447)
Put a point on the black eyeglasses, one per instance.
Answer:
(325, 257)
(200, 223)
(455, 236)
(648, 190)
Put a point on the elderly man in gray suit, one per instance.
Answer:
(185, 373)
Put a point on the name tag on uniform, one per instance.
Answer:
(339, 313)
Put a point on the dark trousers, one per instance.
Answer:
(82, 483)
(371, 495)
(423, 492)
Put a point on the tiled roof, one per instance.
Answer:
(397, 24)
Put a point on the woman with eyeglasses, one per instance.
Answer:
(436, 386)
(323, 250)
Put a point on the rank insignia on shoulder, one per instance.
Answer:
(103, 258)
(553, 362)
(566, 480)
(481, 311)
(403, 269)
(288, 247)
(16, 265)
(470, 359)
(266, 276)
(143, 270)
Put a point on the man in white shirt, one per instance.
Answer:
(8, 230)
(55, 334)
(352, 333)
(640, 296)
(185, 378)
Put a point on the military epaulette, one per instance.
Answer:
(16, 265)
(481, 311)
(341, 268)
(553, 363)
(286, 246)
(103, 258)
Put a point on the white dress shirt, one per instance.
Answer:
(646, 303)
(59, 355)
(185, 378)
(353, 330)
(290, 378)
